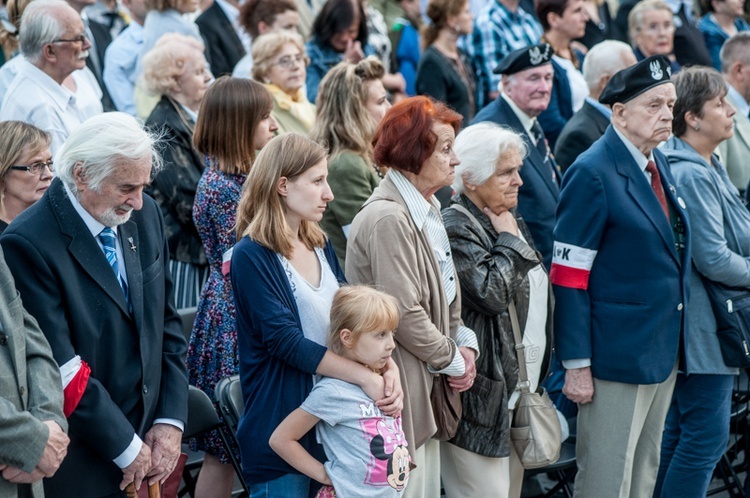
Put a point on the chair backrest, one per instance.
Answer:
(229, 396)
(188, 317)
(202, 415)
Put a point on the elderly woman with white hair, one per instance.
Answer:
(496, 265)
(175, 69)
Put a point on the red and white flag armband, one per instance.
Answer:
(571, 265)
(75, 376)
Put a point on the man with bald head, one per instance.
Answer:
(621, 270)
(54, 45)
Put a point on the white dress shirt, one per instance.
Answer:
(35, 98)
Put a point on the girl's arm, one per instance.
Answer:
(373, 384)
(285, 442)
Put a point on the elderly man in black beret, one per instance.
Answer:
(527, 85)
(620, 270)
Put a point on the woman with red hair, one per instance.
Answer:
(398, 243)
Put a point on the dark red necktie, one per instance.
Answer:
(657, 186)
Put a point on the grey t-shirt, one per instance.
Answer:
(366, 450)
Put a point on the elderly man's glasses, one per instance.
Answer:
(36, 168)
(288, 61)
(78, 39)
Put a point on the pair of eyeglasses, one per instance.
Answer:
(36, 168)
(78, 39)
(287, 62)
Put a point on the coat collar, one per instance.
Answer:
(84, 249)
(640, 190)
(535, 159)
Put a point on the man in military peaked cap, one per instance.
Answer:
(621, 268)
(527, 86)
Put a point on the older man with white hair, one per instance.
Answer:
(591, 121)
(90, 261)
(54, 45)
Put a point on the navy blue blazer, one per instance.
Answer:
(537, 198)
(137, 359)
(620, 284)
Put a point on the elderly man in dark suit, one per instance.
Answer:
(32, 438)
(591, 121)
(621, 271)
(90, 261)
(527, 85)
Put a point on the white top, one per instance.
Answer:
(314, 303)
(579, 90)
(535, 332)
(244, 67)
(36, 98)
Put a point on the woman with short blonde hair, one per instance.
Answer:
(25, 168)
(280, 63)
(175, 70)
(651, 30)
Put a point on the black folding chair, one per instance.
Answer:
(202, 418)
(229, 397)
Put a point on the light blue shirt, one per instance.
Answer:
(740, 104)
(120, 62)
(600, 107)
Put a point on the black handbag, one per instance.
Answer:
(731, 307)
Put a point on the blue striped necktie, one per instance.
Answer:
(109, 246)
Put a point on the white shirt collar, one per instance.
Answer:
(418, 206)
(526, 121)
(91, 223)
(60, 95)
(739, 102)
(638, 157)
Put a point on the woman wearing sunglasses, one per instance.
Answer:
(25, 168)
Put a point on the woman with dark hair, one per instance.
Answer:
(563, 21)
(697, 426)
(398, 243)
(444, 72)
(339, 34)
(234, 121)
(284, 275)
(721, 20)
(352, 104)
(25, 168)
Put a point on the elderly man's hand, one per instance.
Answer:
(165, 442)
(579, 385)
(55, 450)
(18, 476)
(136, 471)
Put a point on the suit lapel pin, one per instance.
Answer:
(132, 245)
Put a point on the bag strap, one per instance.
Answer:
(523, 377)
(458, 207)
